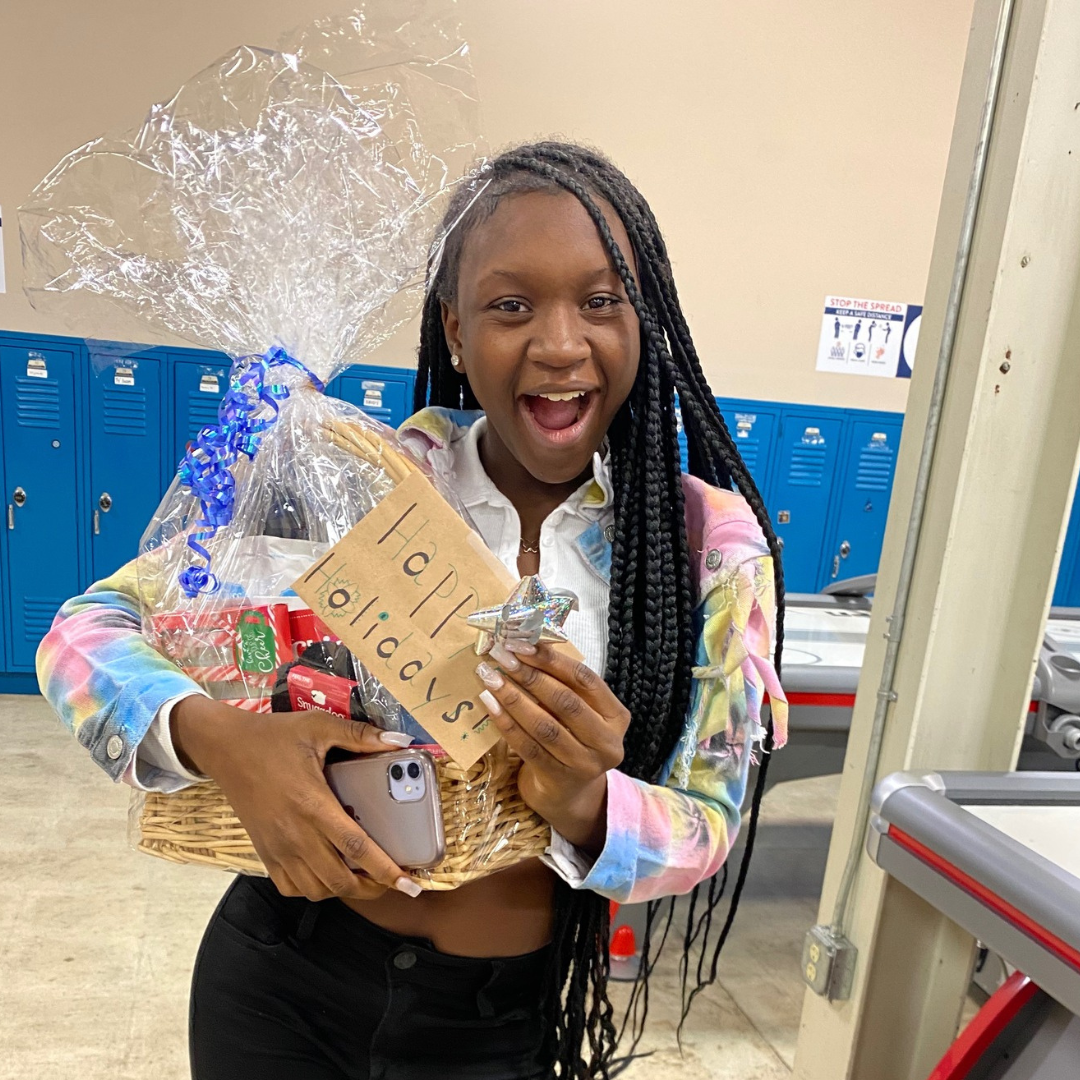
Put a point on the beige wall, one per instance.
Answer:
(789, 148)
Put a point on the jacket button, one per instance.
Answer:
(404, 960)
(114, 747)
(609, 533)
(713, 559)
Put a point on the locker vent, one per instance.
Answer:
(37, 403)
(202, 412)
(38, 615)
(875, 468)
(807, 466)
(749, 451)
(125, 411)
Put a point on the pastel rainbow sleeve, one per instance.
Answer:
(663, 839)
(103, 680)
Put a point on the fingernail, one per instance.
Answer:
(501, 656)
(396, 738)
(408, 887)
(489, 676)
(491, 702)
(521, 648)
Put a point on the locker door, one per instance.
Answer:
(382, 397)
(197, 391)
(1067, 590)
(683, 450)
(802, 488)
(37, 390)
(754, 432)
(126, 447)
(865, 488)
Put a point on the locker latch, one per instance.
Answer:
(105, 505)
(18, 498)
(845, 551)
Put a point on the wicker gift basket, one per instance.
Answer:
(487, 825)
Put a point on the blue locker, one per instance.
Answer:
(805, 467)
(383, 393)
(753, 427)
(37, 402)
(862, 506)
(126, 457)
(198, 387)
(1067, 590)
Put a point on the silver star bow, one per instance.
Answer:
(532, 613)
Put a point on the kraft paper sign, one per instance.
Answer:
(397, 591)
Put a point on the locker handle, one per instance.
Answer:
(10, 516)
(97, 523)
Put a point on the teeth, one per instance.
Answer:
(563, 397)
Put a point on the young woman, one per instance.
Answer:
(553, 358)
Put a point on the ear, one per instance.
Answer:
(451, 328)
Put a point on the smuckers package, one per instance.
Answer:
(312, 689)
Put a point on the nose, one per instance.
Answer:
(558, 339)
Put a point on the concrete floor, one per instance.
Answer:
(97, 942)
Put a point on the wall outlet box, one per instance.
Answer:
(828, 963)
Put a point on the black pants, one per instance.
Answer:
(285, 989)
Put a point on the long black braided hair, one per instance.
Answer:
(651, 637)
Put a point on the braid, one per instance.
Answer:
(651, 639)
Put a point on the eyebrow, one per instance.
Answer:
(511, 275)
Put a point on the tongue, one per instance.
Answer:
(554, 415)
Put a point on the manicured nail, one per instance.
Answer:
(396, 738)
(521, 647)
(501, 656)
(491, 703)
(489, 676)
(408, 887)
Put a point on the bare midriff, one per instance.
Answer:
(505, 914)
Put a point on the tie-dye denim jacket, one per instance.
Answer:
(107, 685)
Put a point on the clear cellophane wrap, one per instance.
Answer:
(278, 208)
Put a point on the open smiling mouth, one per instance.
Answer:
(559, 417)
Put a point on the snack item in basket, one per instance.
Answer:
(232, 652)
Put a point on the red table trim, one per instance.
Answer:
(1051, 942)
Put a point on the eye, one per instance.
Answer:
(599, 303)
(510, 306)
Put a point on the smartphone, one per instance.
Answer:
(394, 798)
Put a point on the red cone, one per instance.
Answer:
(623, 945)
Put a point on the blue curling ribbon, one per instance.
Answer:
(206, 470)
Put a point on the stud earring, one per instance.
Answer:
(456, 361)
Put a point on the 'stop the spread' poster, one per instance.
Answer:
(868, 337)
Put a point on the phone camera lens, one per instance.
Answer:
(397, 772)
(414, 770)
